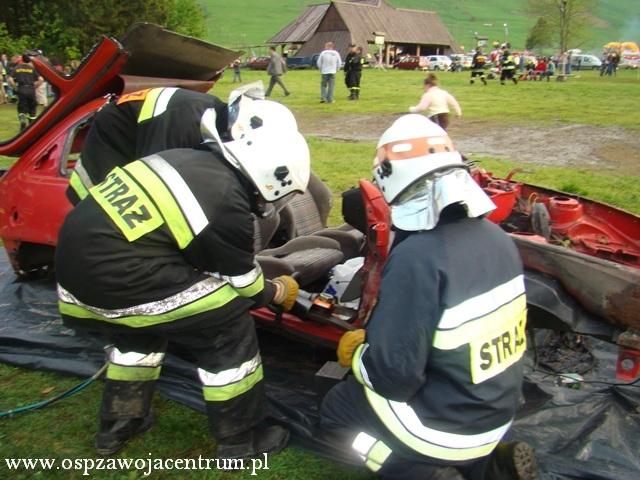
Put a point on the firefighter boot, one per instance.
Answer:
(352, 95)
(125, 413)
(22, 118)
(357, 94)
(512, 461)
(253, 443)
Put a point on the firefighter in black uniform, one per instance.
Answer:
(437, 375)
(162, 251)
(508, 66)
(24, 79)
(353, 71)
(139, 124)
(477, 67)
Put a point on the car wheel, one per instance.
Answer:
(436, 68)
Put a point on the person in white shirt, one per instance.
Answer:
(329, 63)
(436, 103)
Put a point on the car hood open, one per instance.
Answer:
(147, 56)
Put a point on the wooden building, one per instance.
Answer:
(344, 22)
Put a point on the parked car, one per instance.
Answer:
(439, 62)
(629, 62)
(463, 61)
(258, 63)
(412, 62)
(299, 62)
(585, 62)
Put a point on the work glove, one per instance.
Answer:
(286, 291)
(348, 344)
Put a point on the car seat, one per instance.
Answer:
(313, 249)
(307, 214)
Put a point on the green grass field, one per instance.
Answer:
(67, 428)
(586, 99)
(248, 23)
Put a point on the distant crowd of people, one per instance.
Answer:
(610, 61)
(539, 68)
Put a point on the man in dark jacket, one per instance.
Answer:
(162, 252)
(276, 68)
(353, 71)
(437, 375)
(24, 79)
(477, 67)
(507, 65)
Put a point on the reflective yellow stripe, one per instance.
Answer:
(227, 392)
(253, 289)
(355, 364)
(214, 300)
(164, 200)
(132, 374)
(382, 408)
(377, 456)
(76, 183)
(133, 212)
(146, 112)
(494, 322)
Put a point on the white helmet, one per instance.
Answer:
(256, 113)
(410, 149)
(420, 173)
(274, 157)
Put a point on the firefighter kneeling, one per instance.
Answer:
(162, 252)
(437, 375)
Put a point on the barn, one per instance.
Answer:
(410, 32)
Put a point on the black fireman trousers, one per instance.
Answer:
(352, 79)
(27, 104)
(346, 416)
(229, 367)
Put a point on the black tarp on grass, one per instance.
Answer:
(590, 433)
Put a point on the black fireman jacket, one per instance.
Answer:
(441, 365)
(163, 238)
(140, 124)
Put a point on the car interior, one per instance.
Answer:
(294, 238)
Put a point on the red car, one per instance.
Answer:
(259, 63)
(582, 258)
(412, 62)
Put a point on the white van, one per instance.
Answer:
(585, 62)
(439, 62)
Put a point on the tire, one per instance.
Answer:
(436, 68)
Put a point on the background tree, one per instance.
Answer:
(566, 19)
(540, 35)
(67, 29)
(187, 17)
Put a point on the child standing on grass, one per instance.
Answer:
(236, 72)
(436, 103)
